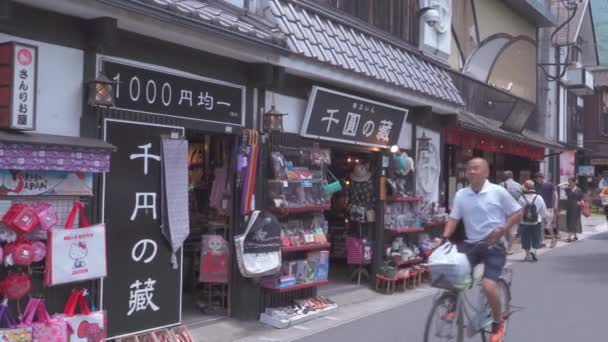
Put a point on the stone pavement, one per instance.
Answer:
(354, 305)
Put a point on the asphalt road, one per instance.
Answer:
(564, 298)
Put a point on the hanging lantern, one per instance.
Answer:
(424, 143)
(273, 120)
(101, 91)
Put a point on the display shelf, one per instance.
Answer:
(300, 210)
(405, 230)
(313, 180)
(413, 262)
(295, 287)
(279, 323)
(434, 224)
(309, 247)
(405, 199)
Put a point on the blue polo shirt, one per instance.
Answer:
(483, 212)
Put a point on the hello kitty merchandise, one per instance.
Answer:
(214, 260)
(78, 251)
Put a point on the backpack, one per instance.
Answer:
(530, 215)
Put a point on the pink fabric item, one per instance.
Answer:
(46, 214)
(45, 329)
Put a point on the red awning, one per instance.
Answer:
(485, 142)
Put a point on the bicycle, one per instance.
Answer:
(452, 307)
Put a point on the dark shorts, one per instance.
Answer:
(493, 257)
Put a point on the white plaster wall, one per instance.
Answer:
(60, 87)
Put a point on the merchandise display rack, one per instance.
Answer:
(304, 248)
(294, 287)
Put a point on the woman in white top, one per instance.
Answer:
(534, 212)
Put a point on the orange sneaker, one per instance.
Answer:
(498, 334)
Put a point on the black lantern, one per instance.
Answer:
(424, 143)
(273, 120)
(101, 91)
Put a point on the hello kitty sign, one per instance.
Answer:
(76, 254)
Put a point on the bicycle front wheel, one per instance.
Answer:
(444, 322)
(504, 292)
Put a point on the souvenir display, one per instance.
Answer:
(258, 250)
(87, 325)
(44, 327)
(300, 311)
(76, 254)
(9, 332)
(214, 260)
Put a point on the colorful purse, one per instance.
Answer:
(88, 326)
(16, 286)
(46, 215)
(334, 186)
(9, 332)
(45, 329)
(20, 218)
(20, 252)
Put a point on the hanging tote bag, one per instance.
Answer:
(332, 185)
(45, 328)
(9, 332)
(76, 254)
(87, 325)
(256, 264)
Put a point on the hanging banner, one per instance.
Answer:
(566, 163)
(335, 116)
(142, 291)
(176, 94)
(18, 77)
(45, 183)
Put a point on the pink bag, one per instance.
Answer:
(46, 215)
(45, 329)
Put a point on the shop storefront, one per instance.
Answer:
(476, 136)
(345, 195)
(170, 202)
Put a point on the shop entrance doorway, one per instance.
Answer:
(206, 273)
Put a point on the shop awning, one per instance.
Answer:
(493, 138)
(34, 151)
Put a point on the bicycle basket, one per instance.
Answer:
(450, 277)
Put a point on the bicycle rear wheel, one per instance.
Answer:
(505, 300)
(443, 322)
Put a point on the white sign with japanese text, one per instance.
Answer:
(23, 102)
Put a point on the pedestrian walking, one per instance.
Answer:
(548, 192)
(604, 199)
(514, 189)
(573, 208)
(534, 212)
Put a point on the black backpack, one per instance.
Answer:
(530, 211)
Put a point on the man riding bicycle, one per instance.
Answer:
(488, 212)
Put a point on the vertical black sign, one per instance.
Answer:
(152, 91)
(142, 290)
(336, 116)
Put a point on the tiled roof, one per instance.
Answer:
(600, 77)
(315, 36)
(223, 16)
(561, 14)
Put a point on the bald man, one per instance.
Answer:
(488, 212)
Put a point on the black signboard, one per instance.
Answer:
(142, 290)
(159, 92)
(336, 116)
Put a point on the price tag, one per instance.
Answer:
(285, 184)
